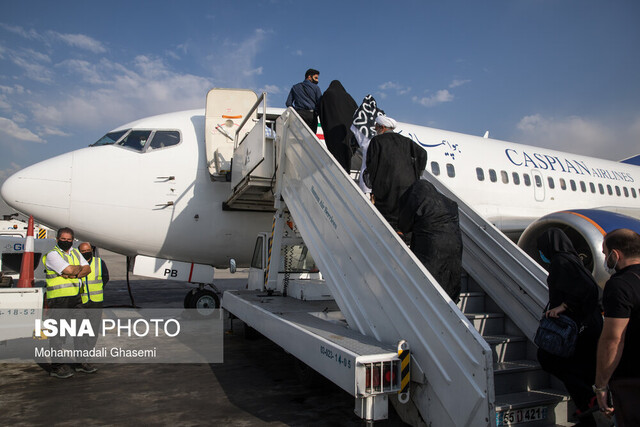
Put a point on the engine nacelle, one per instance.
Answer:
(586, 229)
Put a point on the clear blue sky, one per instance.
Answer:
(555, 73)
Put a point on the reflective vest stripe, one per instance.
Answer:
(62, 286)
(92, 288)
(58, 286)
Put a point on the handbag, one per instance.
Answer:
(557, 335)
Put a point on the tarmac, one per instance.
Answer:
(256, 385)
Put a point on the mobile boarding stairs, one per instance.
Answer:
(471, 364)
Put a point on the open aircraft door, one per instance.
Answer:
(225, 110)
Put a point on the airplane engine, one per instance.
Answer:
(586, 229)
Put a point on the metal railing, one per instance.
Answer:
(262, 98)
(502, 269)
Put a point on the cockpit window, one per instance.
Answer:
(136, 139)
(141, 140)
(110, 138)
(164, 138)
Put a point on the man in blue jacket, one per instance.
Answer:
(304, 98)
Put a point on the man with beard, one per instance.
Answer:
(617, 368)
(304, 98)
(336, 115)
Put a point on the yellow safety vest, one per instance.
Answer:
(92, 289)
(58, 286)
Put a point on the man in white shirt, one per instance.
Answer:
(64, 269)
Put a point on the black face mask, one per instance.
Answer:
(65, 245)
(87, 256)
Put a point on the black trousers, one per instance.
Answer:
(626, 396)
(310, 118)
(577, 372)
(61, 308)
(93, 311)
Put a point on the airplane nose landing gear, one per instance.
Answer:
(204, 300)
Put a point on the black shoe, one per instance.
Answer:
(62, 371)
(87, 368)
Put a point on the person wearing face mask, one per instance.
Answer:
(92, 292)
(574, 293)
(92, 300)
(64, 268)
(618, 368)
(304, 98)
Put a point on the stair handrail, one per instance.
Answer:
(509, 275)
(261, 98)
(379, 284)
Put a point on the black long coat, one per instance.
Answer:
(394, 162)
(432, 219)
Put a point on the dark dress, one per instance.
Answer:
(336, 110)
(571, 283)
(394, 162)
(432, 220)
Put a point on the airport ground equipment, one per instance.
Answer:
(11, 250)
(19, 308)
(471, 364)
(11, 226)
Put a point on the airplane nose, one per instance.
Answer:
(42, 190)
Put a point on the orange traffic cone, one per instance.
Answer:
(27, 279)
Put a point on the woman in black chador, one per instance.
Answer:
(336, 108)
(574, 293)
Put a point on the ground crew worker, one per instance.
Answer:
(64, 269)
(92, 299)
(92, 293)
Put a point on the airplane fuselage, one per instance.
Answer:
(163, 202)
(513, 184)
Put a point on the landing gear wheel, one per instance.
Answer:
(205, 301)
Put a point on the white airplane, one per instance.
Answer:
(155, 190)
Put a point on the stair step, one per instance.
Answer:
(518, 375)
(526, 399)
(549, 403)
(471, 302)
(514, 366)
(487, 323)
(507, 348)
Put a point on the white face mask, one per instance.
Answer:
(610, 270)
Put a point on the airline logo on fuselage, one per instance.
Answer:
(450, 148)
(555, 163)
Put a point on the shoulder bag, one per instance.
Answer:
(557, 335)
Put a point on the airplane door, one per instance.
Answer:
(538, 185)
(225, 111)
